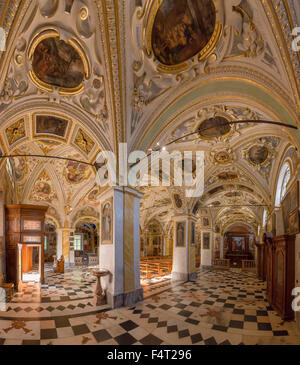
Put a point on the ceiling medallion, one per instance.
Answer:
(215, 127)
(179, 30)
(56, 63)
(222, 157)
(258, 155)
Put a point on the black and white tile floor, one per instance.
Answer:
(221, 307)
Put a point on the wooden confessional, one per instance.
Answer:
(280, 273)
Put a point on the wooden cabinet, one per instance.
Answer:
(280, 267)
(24, 229)
(260, 258)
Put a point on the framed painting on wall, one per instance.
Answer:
(107, 222)
(206, 241)
(286, 208)
(294, 197)
(293, 222)
(180, 234)
(205, 222)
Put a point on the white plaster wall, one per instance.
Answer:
(59, 240)
(180, 260)
(206, 255)
(111, 256)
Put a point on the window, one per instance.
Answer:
(78, 242)
(265, 219)
(283, 179)
(45, 243)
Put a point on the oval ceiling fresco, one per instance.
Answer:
(258, 155)
(57, 63)
(214, 128)
(182, 28)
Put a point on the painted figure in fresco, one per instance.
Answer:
(15, 132)
(19, 167)
(182, 28)
(180, 234)
(51, 125)
(258, 154)
(83, 141)
(57, 63)
(214, 127)
(76, 172)
(106, 222)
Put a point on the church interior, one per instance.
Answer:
(87, 264)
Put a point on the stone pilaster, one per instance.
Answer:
(184, 255)
(121, 255)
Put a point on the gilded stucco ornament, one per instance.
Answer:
(261, 153)
(156, 72)
(56, 61)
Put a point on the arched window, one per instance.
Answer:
(264, 219)
(284, 178)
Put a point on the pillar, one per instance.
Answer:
(65, 245)
(120, 252)
(206, 248)
(221, 247)
(2, 235)
(184, 265)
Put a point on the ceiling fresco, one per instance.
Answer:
(164, 69)
(57, 63)
(50, 125)
(182, 28)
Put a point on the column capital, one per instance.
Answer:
(180, 217)
(121, 189)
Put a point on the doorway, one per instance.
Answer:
(29, 262)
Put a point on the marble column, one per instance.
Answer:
(184, 254)
(64, 246)
(206, 250)
(120, 254)
(221, 247)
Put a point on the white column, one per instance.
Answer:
(65, 245)
(121, 256)
(184, 254)
(206, 249)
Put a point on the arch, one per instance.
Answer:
(283, 179)
(231, 86)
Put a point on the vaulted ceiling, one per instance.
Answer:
(78, 77)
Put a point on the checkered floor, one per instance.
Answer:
(221, 307)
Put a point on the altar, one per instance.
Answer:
(239, 247)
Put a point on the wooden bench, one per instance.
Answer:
(154, 266)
